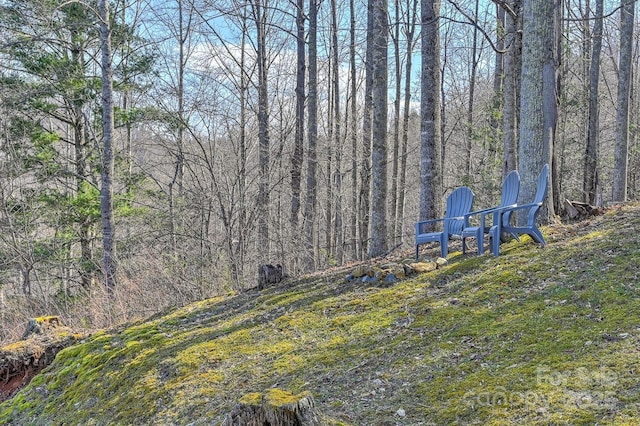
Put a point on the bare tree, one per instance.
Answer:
(106, 189)
(590, 180)
(498, 80)
(338, 252)
(410, 35)
(355, 253)
(365, 167)
(379, 51)
(430, 140)
(395, 159)
(538, 104)
(511, 88)
(621, 154)
(259, 12)
(472, 94)
(310, 203)
(297, 157)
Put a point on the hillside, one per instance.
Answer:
(536, 336)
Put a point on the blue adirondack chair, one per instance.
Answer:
(509, 198)
(459, 203)
(531, 228)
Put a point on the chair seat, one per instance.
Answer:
(470, 231)
(459, 203)
(501, 226)
(428, 237)
(510, 191)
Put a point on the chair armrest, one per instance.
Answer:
(519, 207)
(477, 212)
(426, 222)
(498, 210)
(486, 212)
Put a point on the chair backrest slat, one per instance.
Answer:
(543, 180)
(510, 189)
(459, 203)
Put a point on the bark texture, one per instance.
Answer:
(379, 52)
(106, 189)
(538, 105)
(590, 180)
(621, 154)
(310, 202)
(511, 90)
(430, 131)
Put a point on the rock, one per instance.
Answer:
(408, 270)
(441, 261)
(41, 325)
(362, 270)
(396, 269)
(422, 267)
(368, 279)
(390, 279)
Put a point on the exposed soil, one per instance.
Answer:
(11, 385)
(23, 360)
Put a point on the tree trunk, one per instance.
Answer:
(621, 154)
(355, 218)
(396, 124)
(337, 124)
(412, 10)
(106, 190)
(82, 174)
(470, 105)
(430, 139)
(552, 78)
(328, 206)
(498, 79)
(379, 51)
(260, 17)
(365, 169)
(590, 178)
(511, 91)
(296, 159)
(538, 97)
(242, 179)
(310, 203)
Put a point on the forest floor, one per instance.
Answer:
(535, 336)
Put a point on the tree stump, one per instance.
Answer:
(275, 407)
(269, 274)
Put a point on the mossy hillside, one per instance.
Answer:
(535, 336)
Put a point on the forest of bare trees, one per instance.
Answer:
(154, 153)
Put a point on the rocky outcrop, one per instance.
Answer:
(391, 272)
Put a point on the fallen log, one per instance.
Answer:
(576, 210)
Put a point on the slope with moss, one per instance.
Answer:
(535, 336)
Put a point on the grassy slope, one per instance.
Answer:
(536, 336)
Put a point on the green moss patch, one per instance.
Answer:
(535, 336)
